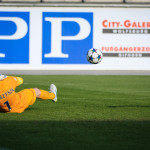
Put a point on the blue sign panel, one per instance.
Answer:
(14, 37)
(67, 36)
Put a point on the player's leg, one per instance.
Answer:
(42, 94)
(28, 97)
(45, 95)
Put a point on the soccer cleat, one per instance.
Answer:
(53, 89)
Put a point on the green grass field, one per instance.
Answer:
(92, 113)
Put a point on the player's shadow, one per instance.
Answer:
(121, 106)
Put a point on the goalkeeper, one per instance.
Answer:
(10, 101)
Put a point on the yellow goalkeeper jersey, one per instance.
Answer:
(9, 99)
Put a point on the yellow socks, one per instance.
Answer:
(45, 95)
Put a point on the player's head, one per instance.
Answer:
(2, 77)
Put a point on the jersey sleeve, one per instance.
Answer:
(17, 80)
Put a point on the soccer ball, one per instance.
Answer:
(94, 56)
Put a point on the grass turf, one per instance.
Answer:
(92, 113)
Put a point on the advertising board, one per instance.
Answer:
(38, 38)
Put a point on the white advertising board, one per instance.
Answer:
(58, 38)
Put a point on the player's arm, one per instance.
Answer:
(18, 80)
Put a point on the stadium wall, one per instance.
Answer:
(58, 37)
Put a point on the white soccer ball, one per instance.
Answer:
(94, 56)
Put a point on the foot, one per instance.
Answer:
(53, 89)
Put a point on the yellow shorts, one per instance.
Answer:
(27, 97)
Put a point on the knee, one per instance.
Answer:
(37, 91)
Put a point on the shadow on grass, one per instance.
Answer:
(75, 135)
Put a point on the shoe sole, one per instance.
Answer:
(55, 99)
